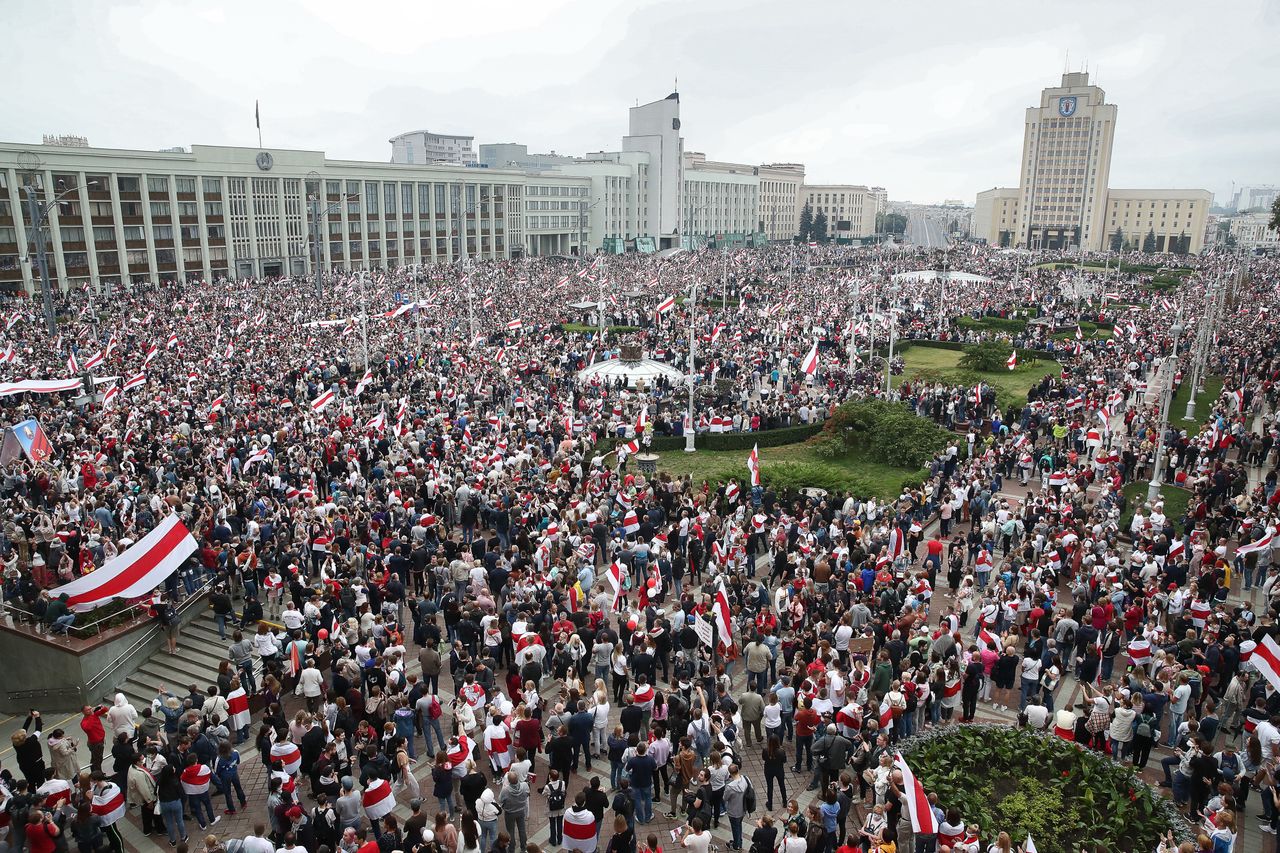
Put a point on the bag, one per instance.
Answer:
(435, 710)
(555, 797)
(702, 737)
(1144, 727)
(749, 798)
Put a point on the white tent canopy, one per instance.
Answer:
(644, 370)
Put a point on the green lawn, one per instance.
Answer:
(1204, 403)
(801, 464)
(1175, 501)
(1013, 383)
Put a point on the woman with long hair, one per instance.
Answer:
(774, 757)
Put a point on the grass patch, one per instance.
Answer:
(1010, 383)
(1204, 404)
(793, 465)
(1088, 328)
(994, 324)
(1176, 501)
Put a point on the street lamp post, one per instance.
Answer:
(693, 367)
(38, 216)
(314, 212)
(1166, 397)
(583, 210)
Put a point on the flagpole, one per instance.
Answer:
(693, 362)
(364, 321)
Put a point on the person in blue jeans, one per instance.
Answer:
(642, 767)
(226, 775)
(199, 801)
(169, 792)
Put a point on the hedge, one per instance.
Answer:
(959, 346)
(739, 440)
(584, 329)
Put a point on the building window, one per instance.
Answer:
(160, 208)
(184, 185)
(162, 232)
(389, 197)
(213, 208)
(127, 184)
(157, 185)
(72, 235)
(212, 186)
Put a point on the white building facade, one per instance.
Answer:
(135, 216)
(850, 208)
(424, 148)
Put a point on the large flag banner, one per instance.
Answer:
(1266, 660)
(378, 799)
(721, 609)
(810, 363)
(136, 572)
(923, 821)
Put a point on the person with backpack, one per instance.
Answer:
(555, 790)
(736, 807)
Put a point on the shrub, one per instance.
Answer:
(986, 357)
(1020, 781)
(887, 432)
(740, 440)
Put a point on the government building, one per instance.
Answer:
(110, 217)
(1064, 199)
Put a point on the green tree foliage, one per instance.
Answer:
(1149, 242)
(1013, 780)
(819, 232)
(887, 432)
(891, 223)
(1275, 215)
(1117, 240)
(986, 357)
(806, 222)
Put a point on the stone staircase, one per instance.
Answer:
(200, 652)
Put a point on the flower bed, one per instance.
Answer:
(1020, 781)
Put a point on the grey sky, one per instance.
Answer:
(923, 98)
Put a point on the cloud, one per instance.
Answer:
(925, 99)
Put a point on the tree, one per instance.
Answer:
(1183, 244)
(819, 231)
(1149, 242)
(806, 222)
(890, 223)
(1117, 240)
(986, 357)
(1274, 225)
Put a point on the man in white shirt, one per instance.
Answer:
(1030, 670)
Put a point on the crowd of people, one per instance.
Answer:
(436, 567)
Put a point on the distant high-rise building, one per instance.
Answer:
(1259, 197)
(510, 155)
(1062, 199)
(654, 129)
(1066, 161)
(424, 148)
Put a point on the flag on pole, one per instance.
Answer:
(923, 820)
(1029, 846)
(721, 609)
(753, 465)
(810, 363)
(666, 305)
(515, 325)
(364, 381)
(1013, 360)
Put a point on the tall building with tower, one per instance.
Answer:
(1066, 161)
(1063, 199)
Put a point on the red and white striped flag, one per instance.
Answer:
(720, 607)
(137, 380)
(1266, 660)
(318, 404)
(238, 709)
(580, 830)
(1139, 650)
(173, 341)
(665, 305)
(378, 799)
(986, 641)
(94, 360)
(73, 367)
(364, 382)
(810, 363)
(1012, 363)
(753, 465)
(137, 571)
(108, 803)
(488, 302)
(288, 754)
(152, 352)
(923, 820)
(515, 325)
(109, 397)
(1200, 611)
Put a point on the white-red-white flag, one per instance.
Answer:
(810, 363)
(753, 465)
(666, 305)
(720, 607)
(319, 403)
(923, 820)
(1013, 360)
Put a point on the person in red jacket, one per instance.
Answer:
(95, 735)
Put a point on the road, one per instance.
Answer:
(925, 233)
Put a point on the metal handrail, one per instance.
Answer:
(147, 636)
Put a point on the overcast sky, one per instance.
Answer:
(924, 98)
